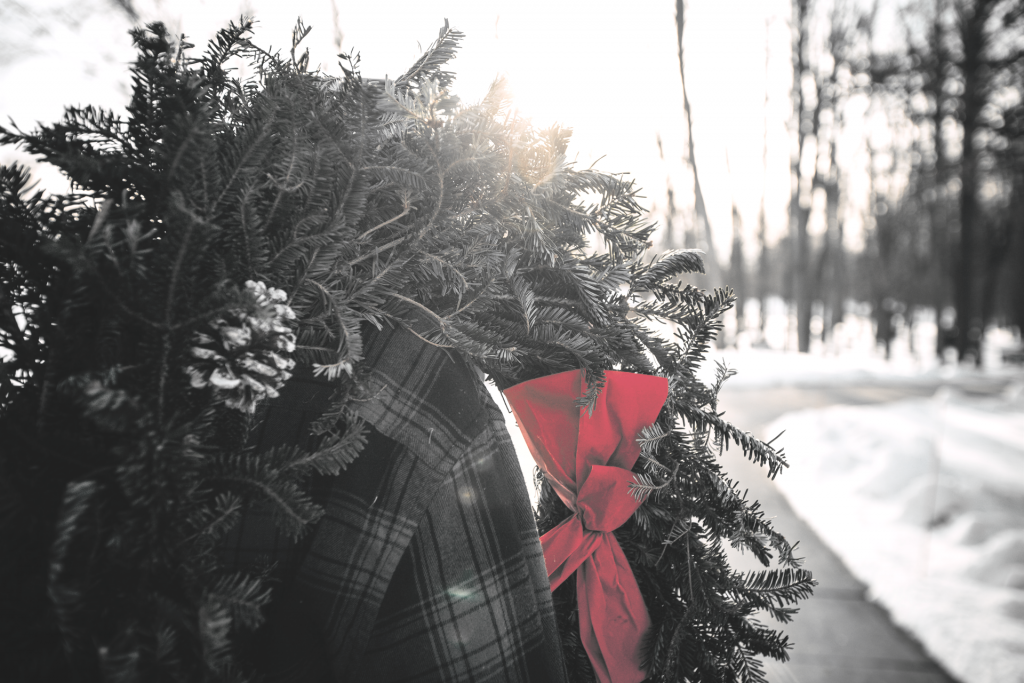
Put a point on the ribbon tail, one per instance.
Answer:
(566, 547)
(613, 616)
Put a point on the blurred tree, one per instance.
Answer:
(972, 17)
(703, 227)
(1009, 295)
(762, 223)
(23, 25)
(959, 77)
(846, 59)
(737, 268)
(806, 118)
(825, 73)
(677, 232)
(893, 268)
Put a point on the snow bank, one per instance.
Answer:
(851, 354)
(924, 502)
(766, 367)
(758, 368)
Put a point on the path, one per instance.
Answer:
(839, 636)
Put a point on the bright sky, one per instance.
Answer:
(609, 70)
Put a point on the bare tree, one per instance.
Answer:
(806, 114)
(762, 223)
(847, 47)
(737, 269)
(971, 20)
(703, 225)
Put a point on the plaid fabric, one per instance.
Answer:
(427, 565)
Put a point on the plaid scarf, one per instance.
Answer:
(427, 564)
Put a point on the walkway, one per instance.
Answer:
(839, 636)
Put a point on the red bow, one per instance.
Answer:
(587, 460)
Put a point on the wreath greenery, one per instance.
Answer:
(227, 228)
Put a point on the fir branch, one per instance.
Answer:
(243, 596)
(336, 455)
(295, 514)
(644, 486)
(405, 212)
(439, 53)
(755, 450)
(378, 250)
(669, 264)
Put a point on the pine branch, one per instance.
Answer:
(755, 450)
(439, 53)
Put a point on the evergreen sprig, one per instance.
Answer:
(367, 202)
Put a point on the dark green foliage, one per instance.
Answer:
(703, 611)
(368, 203)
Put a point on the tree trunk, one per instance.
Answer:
(762, 227)
(999, 246)
(798, 214)
(832, 254)
(711, 265)
(972, 32)
(938, 215)
(1015, 275)
(737, 270)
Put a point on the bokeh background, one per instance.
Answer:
(854, 170)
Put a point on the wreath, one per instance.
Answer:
(226, 229)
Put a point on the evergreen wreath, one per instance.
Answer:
(227, 229)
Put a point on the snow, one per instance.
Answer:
(850, 356)
(924, 502)
(922, 499)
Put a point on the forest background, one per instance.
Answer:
(832, 140)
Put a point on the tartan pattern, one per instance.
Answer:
(427, 564)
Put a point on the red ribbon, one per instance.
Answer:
(587, 460)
